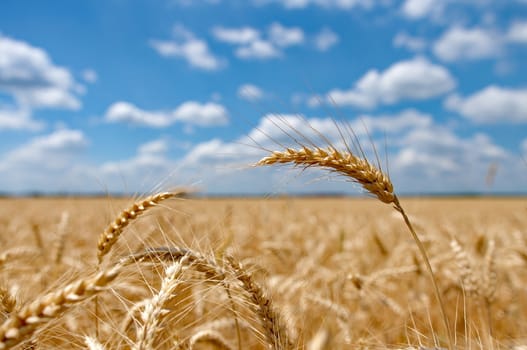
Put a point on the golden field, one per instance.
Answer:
(309, 273)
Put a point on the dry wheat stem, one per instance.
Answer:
(111, 234)
(38, 313)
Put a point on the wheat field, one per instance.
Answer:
(281, 273)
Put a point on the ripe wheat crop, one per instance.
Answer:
(287, 273)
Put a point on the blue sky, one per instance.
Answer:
(132, 95)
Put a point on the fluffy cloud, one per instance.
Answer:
(18, 119)
(284, 37)
(150, 157)
(517, 32)
(493, 104)
(523, 147)
(415, 44)
(190, 113)
(417, 9)
(185, 45)
(460, 43)
(259, 49)
(251, 44)
(338, 4)
(207, 114)
(124, 112)
(244, 35)
(250, 92)
(325, 39)
(415, 79)
(49, 152)
(28, 74)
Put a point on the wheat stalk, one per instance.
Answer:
(276, 331)
(43, 310)
(154, 311)
(370, 178)
(111, 234)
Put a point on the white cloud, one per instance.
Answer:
(417, 9)
(415, 44)
(28, 74)
(150, 157)
(284, 37)
(18, 119)
(153, 147)
(207, 114)
(90, 76)
(250, 92)
(517, 32)
(493, 104)
(337, 4)
(325, 39)
(185, 45)
(460, 43)
(415, 79)
(49, 152)
(239, 36)
(251, 44)
(244, 35)
(523, 146)
(393, 123)
(124, 112)
(259, 49)
(189, 113)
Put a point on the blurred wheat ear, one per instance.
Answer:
(361, 171)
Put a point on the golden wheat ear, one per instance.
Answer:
(359, 169)
(370, 177)
(112, 233)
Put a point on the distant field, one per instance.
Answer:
(335, 273)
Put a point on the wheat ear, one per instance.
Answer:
(275, 329)
(25, 322)
(346, 163)
(111, 234)
(153, 311)
(370, 178)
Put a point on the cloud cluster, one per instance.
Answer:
(29, 76)
(250, 43)
(415, 79)
(337, 4)
(189, 113)
(491, 105)
(184, 44)
(460, 43)
(250, 92)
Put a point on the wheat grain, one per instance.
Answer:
(35, 315)
(153, 311)
(111, 234)
(343, 162)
